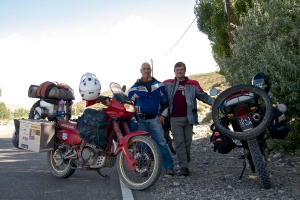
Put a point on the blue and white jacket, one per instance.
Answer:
(154, 102)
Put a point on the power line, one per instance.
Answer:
(181, 36)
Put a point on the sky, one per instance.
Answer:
(42, 40)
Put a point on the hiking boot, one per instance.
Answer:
(184, 171)
(170, 171)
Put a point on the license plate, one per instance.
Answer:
(244, 121)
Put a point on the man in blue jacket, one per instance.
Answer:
(151, 100)
(182, 95)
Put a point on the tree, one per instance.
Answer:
(212, 20)
(4, 112)
(267, 40)
(0, 92)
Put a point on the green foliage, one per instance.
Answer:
(207, 118)
(20, 113)
(212, 20)
(0, 92)
(4, 112)
(267, 40)
(290, 143)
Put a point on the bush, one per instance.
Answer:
(4, 112)
(267, 40)
(289, 144)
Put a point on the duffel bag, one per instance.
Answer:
(52, 90)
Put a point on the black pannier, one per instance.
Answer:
(221, 142)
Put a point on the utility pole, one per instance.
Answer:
(151, 60)
(228, 10)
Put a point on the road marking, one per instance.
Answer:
(126, 192)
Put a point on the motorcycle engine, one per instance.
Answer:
(88, 155)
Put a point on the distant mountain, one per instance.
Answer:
(206, 80)
(12, 107)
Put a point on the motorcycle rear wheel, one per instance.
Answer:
(246, 135)
(15, 139)
(148, 166)
(60, 167)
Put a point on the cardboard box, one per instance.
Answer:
(36, 135)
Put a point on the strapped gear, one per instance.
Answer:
(89, 86)
(221, 142)
(278, 128)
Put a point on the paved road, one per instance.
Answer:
(25, 175)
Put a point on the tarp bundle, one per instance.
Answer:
(91, 127)
(52, 90)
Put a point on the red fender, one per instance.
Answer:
(122, 145)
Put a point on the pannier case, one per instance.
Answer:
(36, 135)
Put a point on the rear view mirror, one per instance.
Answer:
(213, 92)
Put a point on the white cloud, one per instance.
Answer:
(64, 55)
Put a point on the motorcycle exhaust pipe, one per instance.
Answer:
(256, 117)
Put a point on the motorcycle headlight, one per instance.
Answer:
(129, 107)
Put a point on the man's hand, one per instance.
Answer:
(161, 119)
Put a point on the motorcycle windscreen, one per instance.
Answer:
(244, 118)
(118, 94)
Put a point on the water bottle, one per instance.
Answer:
(61, 110)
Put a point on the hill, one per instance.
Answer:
(206, 80)
(12, 107)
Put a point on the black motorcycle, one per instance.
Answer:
(245, 112)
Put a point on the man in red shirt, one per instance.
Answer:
(182, 95)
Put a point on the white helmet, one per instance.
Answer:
(89, 86)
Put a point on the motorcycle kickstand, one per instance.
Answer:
(104, 176)
(243, 170)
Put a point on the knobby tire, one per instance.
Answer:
(259, 164)
(246, 135)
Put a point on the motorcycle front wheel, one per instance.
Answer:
(259, 163)
(148, 167)
(60, 167)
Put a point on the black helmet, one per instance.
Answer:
(261, 80)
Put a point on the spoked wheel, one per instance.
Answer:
(60, 167)
(15, 139)
(148, 166)
(264, 101)
(32, 111)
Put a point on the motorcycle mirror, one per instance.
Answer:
(124, 88)
(213, 92)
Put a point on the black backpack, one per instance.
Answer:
(221, 142)
(278, 130)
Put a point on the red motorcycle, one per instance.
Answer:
(139, 161)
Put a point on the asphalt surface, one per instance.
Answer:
(25, 175)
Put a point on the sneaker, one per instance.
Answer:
(170, 171)
(184, 171)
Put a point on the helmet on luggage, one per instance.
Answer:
(262, 81)
(89, 86)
